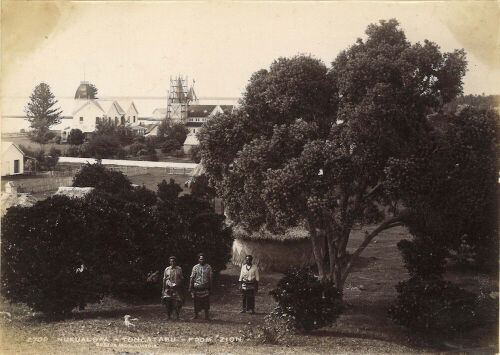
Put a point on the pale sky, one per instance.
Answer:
(131, 48)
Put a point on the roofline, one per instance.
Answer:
(14, 144)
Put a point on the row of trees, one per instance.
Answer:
(111, 141)
(360, 142)
(65, 252)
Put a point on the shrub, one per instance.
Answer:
(96, 175)
(56, 139)
(423, 256)
(43, 250)
(102, 146)
(178, 153)
(44, 162)
(201, 189)
(433, 307)
(310, 303)
(170, 191)
(170, 145)
(76, 137)
(195, 154)
(208, 233)
(73, 151)
(139, 195)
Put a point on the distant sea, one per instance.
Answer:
(13, 116)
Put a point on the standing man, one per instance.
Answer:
(200, 286)
(171, 294)
(249, 284)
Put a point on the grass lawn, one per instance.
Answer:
(155, 176)
(364, 327)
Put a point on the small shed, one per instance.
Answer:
(12, 159)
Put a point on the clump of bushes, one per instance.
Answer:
(427, 305)
(65, 252)
(96, 175)
(43, 250)
(433, 306)
(304, 304)
(76, 137)
(44, 161)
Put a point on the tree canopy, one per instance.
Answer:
(42, 113)
(171, 136)
(76, 137)
(310, 145)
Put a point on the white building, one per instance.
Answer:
(88, 112)
(12, 159)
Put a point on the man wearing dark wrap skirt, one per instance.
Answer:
(200, 286)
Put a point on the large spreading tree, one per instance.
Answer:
(312, 145)
(42, 113)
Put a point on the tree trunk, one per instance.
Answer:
(318, 252)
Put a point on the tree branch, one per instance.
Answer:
(370, 193)
(387, 224)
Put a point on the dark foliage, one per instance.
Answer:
(42, 161)
(195, 154)
(424, 256)
(433, 307)
(42, 248)
(96, 175)
(171, 136)
(169, 191)
(118, 233)
(102, 147)
(450, 186)
(76, 137)
(309, 302)
(201, 189)
(170, 145)
(311, 144)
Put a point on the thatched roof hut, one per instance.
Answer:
(273, 252)
(71, 191)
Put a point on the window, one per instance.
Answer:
(134, 119)
(16, 166)
(97, 120)
(81, 119)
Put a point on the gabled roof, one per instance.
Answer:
(108, 104)
(83, 104)
(127, 104)
(7, 145)
(200, 110)
(120, 110)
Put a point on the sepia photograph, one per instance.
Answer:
(249, 177)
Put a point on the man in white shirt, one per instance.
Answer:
(249, 284)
